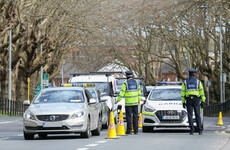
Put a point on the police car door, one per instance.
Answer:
(92, 110)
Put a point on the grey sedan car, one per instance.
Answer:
(62, 110)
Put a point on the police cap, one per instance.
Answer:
(192, 70)
(128, 72)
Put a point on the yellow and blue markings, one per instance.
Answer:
(79, 85)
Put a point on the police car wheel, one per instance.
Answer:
(28, 136)
(147, 129)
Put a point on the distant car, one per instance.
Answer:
(104, 110)
(62, 110)
(163, 108)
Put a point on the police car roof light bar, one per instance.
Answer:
(78, 85)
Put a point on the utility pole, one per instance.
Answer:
(221, 77)
(9, 84)
(41, 71)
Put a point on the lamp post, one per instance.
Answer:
(221, 78)
(9, 84)
(62, 73)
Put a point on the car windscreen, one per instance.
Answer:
(59, 96)
(103, 87)
(165, 94)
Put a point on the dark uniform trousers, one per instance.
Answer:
(193, 103)
(129, 111)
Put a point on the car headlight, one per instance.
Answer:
(29, 115)
(78, 114)
(148, 109)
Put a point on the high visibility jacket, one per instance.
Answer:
(192, 87)
(131, 91)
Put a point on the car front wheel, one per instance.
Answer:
(28, 136)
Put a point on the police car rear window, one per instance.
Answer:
(165, 94)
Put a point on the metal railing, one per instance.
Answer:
(16, 108)
(216, 108)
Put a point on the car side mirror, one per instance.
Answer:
(92, 101)
(26, 103)
(147, 93)
(115, 95)
(103, 99)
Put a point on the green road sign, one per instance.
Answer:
(45, 83)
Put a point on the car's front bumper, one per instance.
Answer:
(77, 125)
(151, 119)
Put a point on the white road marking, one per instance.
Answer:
(92, 145)
(4, 138)
(82, 148)
(20, 135)
(8, 122)
(101, 142)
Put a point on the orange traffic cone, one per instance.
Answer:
(121, 125)
(220, 121)
(140, 124)
(112, 128)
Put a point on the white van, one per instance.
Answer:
(106, 84)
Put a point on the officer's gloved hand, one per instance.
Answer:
(184, 105)
(202, 104)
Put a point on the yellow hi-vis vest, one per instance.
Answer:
(199, 91)
(132, 96)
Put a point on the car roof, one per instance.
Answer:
(168, 87)
(64, 88)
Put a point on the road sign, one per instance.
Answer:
(208, 83)
(46, 80)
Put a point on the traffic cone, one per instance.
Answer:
(121, 125)
(140, 124)
(220, 121)
(112, 128)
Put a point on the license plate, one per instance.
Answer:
(171, 117)
(52, 124)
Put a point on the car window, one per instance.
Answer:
(165, 94)
(103, 87)
(93, 93)
(59, 96)
(88, 95)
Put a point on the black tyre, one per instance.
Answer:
(97, 131)
(42, 135)
(86, 134)
(105, 126)
(147, 129)
(28, 136)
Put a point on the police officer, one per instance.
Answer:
(193, 94)
(130, 90)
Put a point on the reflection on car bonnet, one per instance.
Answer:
(75, 100)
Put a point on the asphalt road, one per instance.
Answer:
(214, 138)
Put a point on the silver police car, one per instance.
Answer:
(62, 110)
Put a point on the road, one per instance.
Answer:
(214, 138)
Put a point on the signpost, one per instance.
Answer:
(208, 84)
(45, 83)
